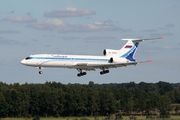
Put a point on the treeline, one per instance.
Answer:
(56, 99)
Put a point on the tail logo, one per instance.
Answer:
(130, 54)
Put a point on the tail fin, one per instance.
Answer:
(129, 49)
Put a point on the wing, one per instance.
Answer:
(111, 65)
(93, 66)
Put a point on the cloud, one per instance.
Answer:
(127, 30)
(91, 39)
(9, 31)
(170, 25)
(150, 30)
(5, 41)
(167, 34)
(69, 12)
(167, 26)
(161, 34)
(28, 13)
(99, 39)
(52, 24)
(34, 40)
(169, 47)
(61, 26)
(20, 19)
(71, 38)
(98, 26)
(12, 12)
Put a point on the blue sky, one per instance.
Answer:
(88, 27)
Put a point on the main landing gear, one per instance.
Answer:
(104, 71)
(84, 73)
(81, 73)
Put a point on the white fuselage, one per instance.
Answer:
(69, 61)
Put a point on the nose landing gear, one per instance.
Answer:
(40, 70)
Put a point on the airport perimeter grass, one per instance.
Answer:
(174, 117)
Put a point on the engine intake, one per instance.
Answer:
(110, 60)
(117, 60)
(110, 52)
(104, 52)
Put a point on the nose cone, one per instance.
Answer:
(23, 62)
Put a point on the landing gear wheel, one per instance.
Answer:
(101, 72)
(78, 74)
(40, 72)
(107, 71)
(84, 73)
(104, 72)
(81, 73)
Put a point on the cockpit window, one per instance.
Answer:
(28, 58)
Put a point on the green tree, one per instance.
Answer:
(164, 87)
(163, 106)
(107, 103)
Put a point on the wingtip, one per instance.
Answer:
(161, 37)
(149, 61)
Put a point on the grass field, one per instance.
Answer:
(92, 118)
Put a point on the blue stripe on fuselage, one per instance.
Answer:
(70, 59)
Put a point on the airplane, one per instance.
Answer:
(111, 59)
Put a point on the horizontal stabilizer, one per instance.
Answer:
(141, 39)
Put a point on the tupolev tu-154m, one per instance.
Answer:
(111, 59)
